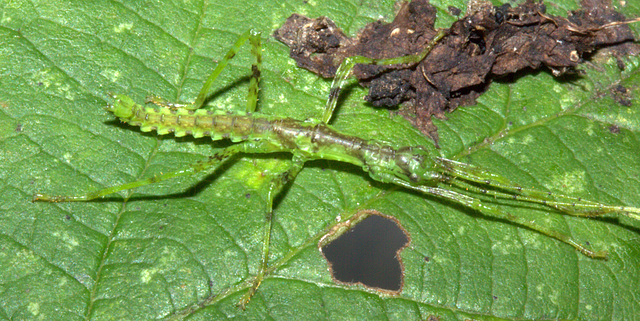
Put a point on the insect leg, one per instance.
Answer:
(254, 38)
(275, 187)
(212, 163)
(256, 51)
(348, 63)
(571, 205)
(493, 211)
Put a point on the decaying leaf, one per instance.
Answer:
(488, 42)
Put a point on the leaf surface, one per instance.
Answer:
(184, 248)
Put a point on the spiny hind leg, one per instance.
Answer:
(348, 63)
(276, 185)
(493, 211)
(252, 97)
(213, 162)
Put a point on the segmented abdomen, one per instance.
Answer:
(237, 126)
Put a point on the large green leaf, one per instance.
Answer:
(185, 247)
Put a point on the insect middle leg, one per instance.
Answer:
(276, 185)
(252, 97)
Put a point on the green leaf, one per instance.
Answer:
(185, 248)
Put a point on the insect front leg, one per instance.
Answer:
(212, 163)
(276, 186)
(501, 187)
(348, 63)
(252, 97)
(493, 211)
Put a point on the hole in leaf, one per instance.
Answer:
(366, 250)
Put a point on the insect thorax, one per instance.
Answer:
(414, 164)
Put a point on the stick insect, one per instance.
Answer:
(418, 168)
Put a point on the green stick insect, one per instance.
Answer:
(417, 168)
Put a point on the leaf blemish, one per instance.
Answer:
(123, 27)
(571, 182)
(112, 75)
(147, 274)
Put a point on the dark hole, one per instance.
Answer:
(368, 254)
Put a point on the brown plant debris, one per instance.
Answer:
(488, 42)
